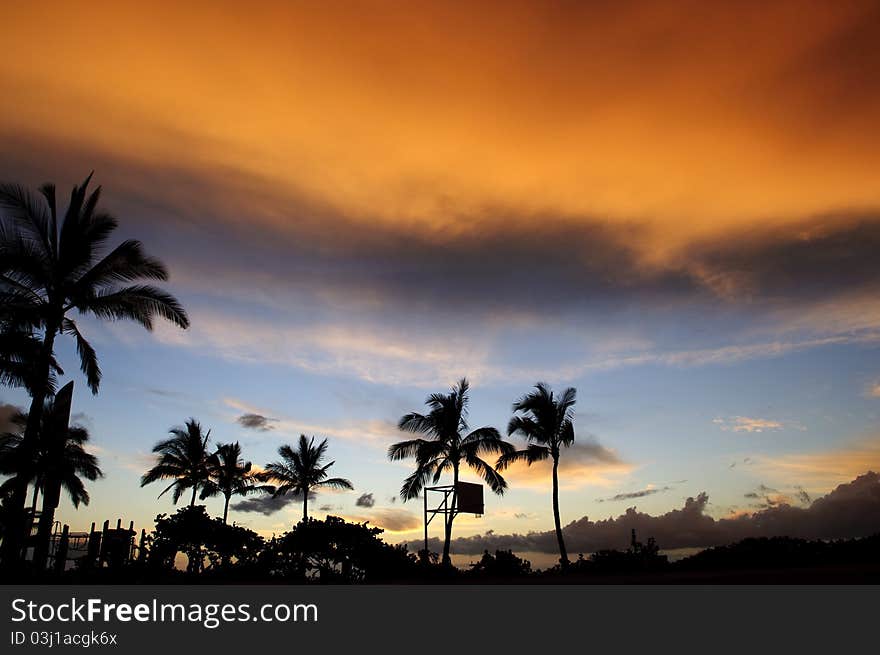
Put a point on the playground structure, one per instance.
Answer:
(104, 548)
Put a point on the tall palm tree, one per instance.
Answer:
(184, 459)
(547, 424)
(49, 267)
(229, 475)
(300, 471)
(445, 449)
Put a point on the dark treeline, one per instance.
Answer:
(191, 547)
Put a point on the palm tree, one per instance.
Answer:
(74, 464)
(59, 462)
(183, 458)
(300, 471)
(547, 424)
(445, 448)
(49, 267)
(230, 476)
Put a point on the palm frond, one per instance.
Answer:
(87, 356)
(336, 483)
(140, 303)
(496, 482)
(404, 449)
(533, 453)
(29, 212)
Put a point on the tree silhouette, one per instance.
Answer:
(183, 458)
(19, 352)
(445, 448)
(49, 267)
(59, 462)
(230, 476)
(546, 423)
(69, 468)
(300, 471)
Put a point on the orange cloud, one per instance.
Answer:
(823, 471)
(582, 465)
(421, 114)
(389, 519)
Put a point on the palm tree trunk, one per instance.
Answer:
(13, 541)
(192, 503)
(44, 530)
(225, 508)
(30, 525)
(563, 556)
(449, 518)
(34, 500)
(305, 504)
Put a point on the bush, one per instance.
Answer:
(192, 532)
(333, 550)
(504, 564)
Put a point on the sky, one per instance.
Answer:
(673, 207)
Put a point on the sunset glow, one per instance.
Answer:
(673, 207)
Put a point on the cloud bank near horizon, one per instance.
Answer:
(850, 510)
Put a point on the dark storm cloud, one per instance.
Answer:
(850, 510)
(489, 265)
(268, 504)
(256, 422)
(818, 259)
(365, 500)
(803, 496)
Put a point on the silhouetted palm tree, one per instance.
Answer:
(49, 267)
(300, 471)
(183, 458)
(547, 424)
(230, 476)
(70, 468)
(60, 461)
(446, 448)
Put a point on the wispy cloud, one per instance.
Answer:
(376, 353)
(650, 490)
(748, 424)
(373, 432)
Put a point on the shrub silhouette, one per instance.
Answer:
(192, 532)
(503, 564)
(333, 550)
